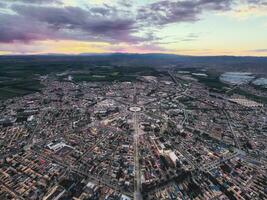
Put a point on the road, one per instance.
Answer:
(237, 143)
(137, 178)
(209, 166)
(91, 177)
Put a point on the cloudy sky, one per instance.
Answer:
(188, 27)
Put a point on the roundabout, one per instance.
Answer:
(135, 109)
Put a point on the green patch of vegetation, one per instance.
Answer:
(212, 81)
(18, 73)
(259, 87)
(18, 87)
(113, 73)
(248, 95)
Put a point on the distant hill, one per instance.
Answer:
(223, 63)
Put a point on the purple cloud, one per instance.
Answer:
(259, 50)
(45, 22)
(2, 5)
(166, 12)
(34, 1)
(257, 2)
(107, 23)
(14, 27)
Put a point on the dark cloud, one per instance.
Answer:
(31, 21)
(2, 5)
(126, 3)
(257, 2)
(14, 27)
(166, 12)
(33, 1)
(190, 37)
(99, 23)
(259, 50)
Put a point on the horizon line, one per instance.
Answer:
(114, 53)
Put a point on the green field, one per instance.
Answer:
(248, 95)
(113, 73)
(213, 82)
(19, 75)
(18, 87)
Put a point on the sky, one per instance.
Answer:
(184, 27)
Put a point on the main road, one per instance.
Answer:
(137, 179)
